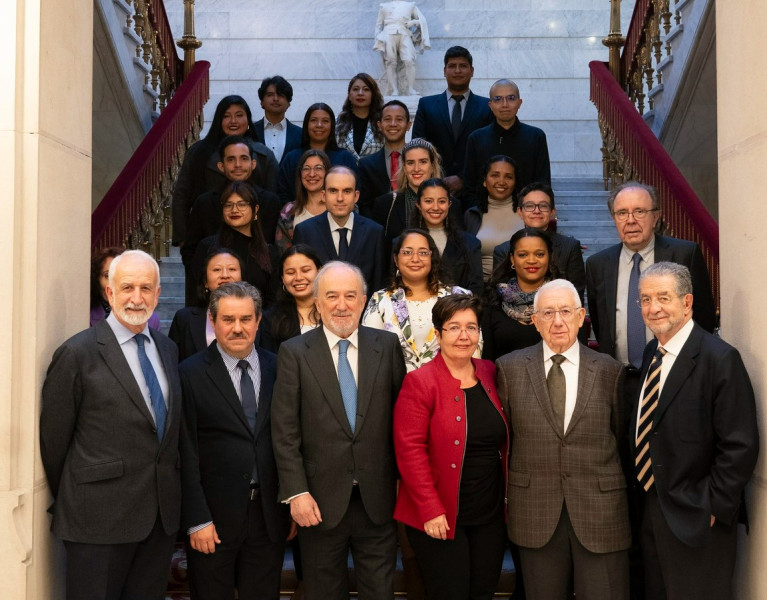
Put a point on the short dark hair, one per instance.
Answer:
(458, 52)
(235, 289)
(537, 186)
(447, 306)
(281, 85)
(627, 185)
(231, 140)
(397, 103)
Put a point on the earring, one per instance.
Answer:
(396, 273)
(513, 268)
(284, 289)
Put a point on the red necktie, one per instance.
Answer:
(394, 169)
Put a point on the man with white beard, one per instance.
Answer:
(109, 427)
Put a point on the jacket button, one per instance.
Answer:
(458, 418)
(452, 466)
(246, 476)
(457, 398)
(457, 442)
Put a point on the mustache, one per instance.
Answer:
(134, 306)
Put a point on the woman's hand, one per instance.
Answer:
(437, 527)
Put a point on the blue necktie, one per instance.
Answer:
(635, 330)
(155, 391)
(343, 244)
(347, 383)
(248, 394)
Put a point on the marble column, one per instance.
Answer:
(742, 141)
(45, 141)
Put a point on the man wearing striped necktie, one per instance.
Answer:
(695, 444)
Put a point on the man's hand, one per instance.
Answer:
(437, 527)
(205, 539)
(305, 511)
(454, 183)
(713, 520)
(293, 531)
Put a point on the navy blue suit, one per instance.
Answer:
(366, 247)
(374, 181)
(292, 139)
(433, 122)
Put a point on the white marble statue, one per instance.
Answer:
(400, 29)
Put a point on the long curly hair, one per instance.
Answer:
(434, 280)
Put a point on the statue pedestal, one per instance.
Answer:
(412, 104)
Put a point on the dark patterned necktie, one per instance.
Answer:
(650, 395)
(557, 385)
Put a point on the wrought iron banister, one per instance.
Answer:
(631, 151)
(165, 41)
(135, 210)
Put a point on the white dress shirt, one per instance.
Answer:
(625, 265)
(570, 368)
(275, 136)
(334, 227)
(351, 352)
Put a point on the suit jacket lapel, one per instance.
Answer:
(321, 364)
(468, 113)
(169, 363)
(358, 235)
(198, 327)
(220, 376)
(267, 366)
(327, 236)
(683, 366)
(611, 290)
(586, 378)
(537, 375)
(444, 110)
(367, 370)
(115, 360)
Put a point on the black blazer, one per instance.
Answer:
(704, 440)
(268, 339)
(109, 475)
(374, 181)
(219, 450)
(292, 138)
(463, 265)
(602, 282)
(188, 331)
(315, 448)
(433, 122)
(567, 257)
(366, 249)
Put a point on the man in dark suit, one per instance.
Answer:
(237, 528)
(332, 430)
(109, 427)
(378, 172)
(507, 135)
(567, 508)
(537, 209)
(274, 130)
(695, 438)
(447, 119)
(636, 210)
(340, 234)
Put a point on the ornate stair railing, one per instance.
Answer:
(135, 212)
(631, 151)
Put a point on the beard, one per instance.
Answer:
(137, 315)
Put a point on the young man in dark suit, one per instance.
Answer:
(447, 119)
(695, 441)
(274, 130)
(378, 172)
(109, 430)
(332, 429)
(340, 234)
(237, 529)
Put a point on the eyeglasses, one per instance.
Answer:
(316, 169)
(229, 206)
(532, 206)
(407, 253)
(646, 301)
(455, 330)
(548, 314)
(509, 98)
(637, 213)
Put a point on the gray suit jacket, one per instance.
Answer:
(314, 446)
(107, 471)
(579, 467)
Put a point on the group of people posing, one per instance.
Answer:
(382, 333)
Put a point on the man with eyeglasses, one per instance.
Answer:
(567, 509)
(695, 441)
(506, 135)
(612, 287)
(537, 209)
(237, 162)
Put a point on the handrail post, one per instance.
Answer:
(188, 43)
(614, 41)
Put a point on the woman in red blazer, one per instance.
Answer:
(451, 441)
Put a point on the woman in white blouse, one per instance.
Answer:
(405, 306)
